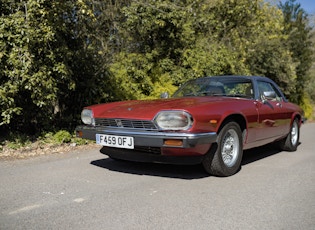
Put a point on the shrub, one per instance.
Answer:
(307, 107)
(62, 136)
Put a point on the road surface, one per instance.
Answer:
(86, 190)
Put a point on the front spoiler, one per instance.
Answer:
(139, 156)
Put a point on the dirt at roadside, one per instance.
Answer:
(36, 149)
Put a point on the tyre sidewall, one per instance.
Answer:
(214, 163)
(289, 146)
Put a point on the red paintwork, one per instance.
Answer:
(146, 110)
(196, 106)
(264, 122)
(262, 117)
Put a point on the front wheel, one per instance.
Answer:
(291, 141)
(224, 157)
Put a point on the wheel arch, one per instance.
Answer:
(214, 161)
(239, 119)
(297, 116)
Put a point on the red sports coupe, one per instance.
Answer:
(209, 120)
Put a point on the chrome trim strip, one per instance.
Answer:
(129, 132)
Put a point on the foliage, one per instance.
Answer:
(16, 141)
(51, 63)
(62, 136)
(296, 27)
(27, 65)
(59, 56)
(307, 106)
(198, 38)
(20, 141)
(311, 85)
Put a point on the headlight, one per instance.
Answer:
(87, 117)
(173, 120)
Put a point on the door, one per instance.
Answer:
(273, 120)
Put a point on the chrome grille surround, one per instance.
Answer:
(125, 123)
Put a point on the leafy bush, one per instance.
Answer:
(62, 136)
(17, 140)
(67, 55)
(307, 107)
(81, 141)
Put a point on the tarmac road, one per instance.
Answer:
(86, 190)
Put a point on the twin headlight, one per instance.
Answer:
(165, 120)
(87, 117)
(173, 120)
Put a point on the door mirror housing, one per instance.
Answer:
(165, 95)
(269, 95)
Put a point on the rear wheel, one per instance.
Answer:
(291, 142)
(224, 157)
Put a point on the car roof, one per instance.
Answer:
(240, 77)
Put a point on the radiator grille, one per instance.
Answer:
(124, 123)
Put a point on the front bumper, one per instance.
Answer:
(149, 138)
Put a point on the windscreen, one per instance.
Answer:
(217, 86)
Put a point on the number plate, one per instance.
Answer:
(115, 141)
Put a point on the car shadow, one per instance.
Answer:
(259, 153)
(188, 172)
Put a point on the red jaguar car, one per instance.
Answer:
(209, 120)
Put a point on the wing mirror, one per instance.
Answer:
(165, 95)
(268, 95)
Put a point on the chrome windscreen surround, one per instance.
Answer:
(125, 123)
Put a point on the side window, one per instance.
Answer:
(267, 91)
(242, 89)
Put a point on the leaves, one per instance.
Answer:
(298, 32)
(59, 56)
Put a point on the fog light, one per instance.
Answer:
(173, 142)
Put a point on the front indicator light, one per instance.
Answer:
(79, 134)
(173, 142)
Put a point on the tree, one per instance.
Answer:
(296, 27)
(310, 87)
(29, 68)
(59, 56)
(169, 42)
(252, 31)
(53, 61)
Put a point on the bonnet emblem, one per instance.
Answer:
(119, 123)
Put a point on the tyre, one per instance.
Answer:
(291, 141)
(224, 158)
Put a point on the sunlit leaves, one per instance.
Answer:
(59, 56)
(298, 32)
(33, 64)
(205, 38)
